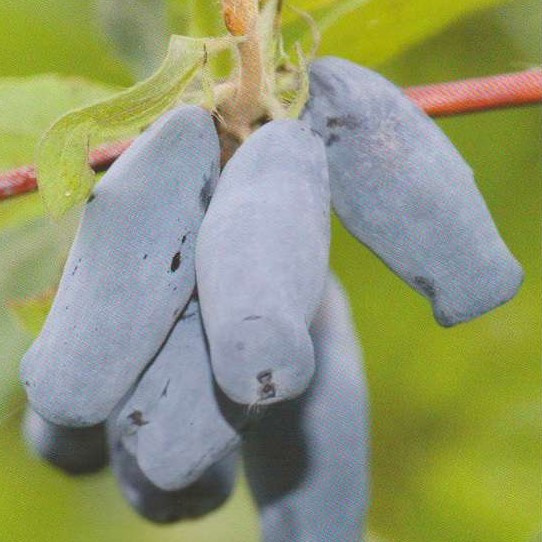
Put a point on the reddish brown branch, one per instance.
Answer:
(23, 179)
(499, 91)
(439, 100)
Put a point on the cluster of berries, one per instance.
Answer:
(197, 316)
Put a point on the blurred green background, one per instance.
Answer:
(456, 413)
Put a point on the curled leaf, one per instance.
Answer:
(64, 175)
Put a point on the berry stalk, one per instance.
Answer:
(239, 114)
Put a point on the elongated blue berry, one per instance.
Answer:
(173, 422)
(261, 262)
(74, 450)
(306, 459)
(210, 491)
(399, 185)
(129, 274)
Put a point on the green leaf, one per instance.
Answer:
(65, 178)
(31, 313)
(204, 18)
(139, 31)
(372, 31)
(28, 106)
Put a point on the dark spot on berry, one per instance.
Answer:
(267, 389)
(175, 262)
(187, 316)
(165, 390)
(206, 192)
(185, 237)
(251, 318)
(75, 270)
(316, 132)
(91, 198)
(136, 417)
(145, 256)
(426, 286)
(332, 139)
(264, 377)
(345, 121)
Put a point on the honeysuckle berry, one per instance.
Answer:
(75, 450)
(129, 274)
(204, 495)
(400, 187)
(307, 460)
(125, 340)
(173, 423)
(261, 259)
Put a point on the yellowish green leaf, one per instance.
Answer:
(29, 105)
(198, 19)
(64, 176)
(372, 31)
